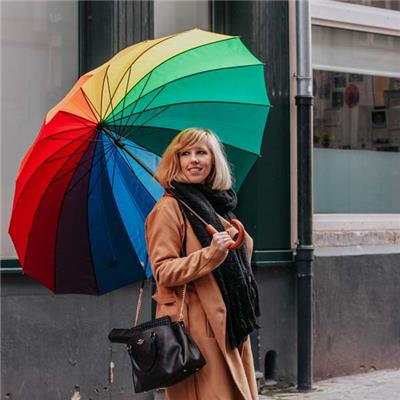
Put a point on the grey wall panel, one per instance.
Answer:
(357, 318)
(278, 320)
(53, 345)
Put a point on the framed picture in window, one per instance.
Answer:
(378, 119)
(392, 98)
(339, 81)
(337, 99)
(356, 78)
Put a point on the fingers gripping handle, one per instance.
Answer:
(238, 225)
(239, 240)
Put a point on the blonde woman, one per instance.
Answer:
(221, 300)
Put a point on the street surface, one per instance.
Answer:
(377, 385)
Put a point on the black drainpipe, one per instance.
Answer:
(304, 250)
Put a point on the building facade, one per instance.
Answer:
(59, 345)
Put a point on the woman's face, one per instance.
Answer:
(196, 162)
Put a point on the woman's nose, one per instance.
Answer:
(193, 158)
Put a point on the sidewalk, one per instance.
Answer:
(378, 385)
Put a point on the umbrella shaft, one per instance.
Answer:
(123, 147)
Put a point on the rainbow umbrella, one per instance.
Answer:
(85, 187)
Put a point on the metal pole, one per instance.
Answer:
(304, 251)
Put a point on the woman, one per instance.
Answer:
(221, 300)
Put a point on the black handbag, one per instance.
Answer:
(162, 352)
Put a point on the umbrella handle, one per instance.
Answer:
(238, 225)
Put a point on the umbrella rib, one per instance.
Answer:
(127, 127)
(142, 147)
(30, 177)
(115, 164)
(108, 150)
(82, 121)
(176, 55)
(125, 159)
(35, 212)
(135, 146)
(137, 58)
(50, 137)
(145, 122)
(126, 92)
(124, 129)
(63, 157)
(190, 76)
(110, 103)
(91, 105)
(206, 102)
(101, 172)
(102, 92)
(73, 168)
(79, 139)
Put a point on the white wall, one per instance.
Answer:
(39, 64)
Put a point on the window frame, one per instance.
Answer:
(334, 14)
(357, 17)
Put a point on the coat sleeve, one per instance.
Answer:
(164, 237)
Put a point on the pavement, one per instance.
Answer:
(377, 385)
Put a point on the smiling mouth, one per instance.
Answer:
(194, 169)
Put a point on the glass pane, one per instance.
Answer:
(355, 52)
(356, 123)
(39, 46)
(356, 181)
(387, 4)
(177, 16)
(355, 111)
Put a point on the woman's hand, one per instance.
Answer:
(221, 242)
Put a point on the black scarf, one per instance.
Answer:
(234, 276)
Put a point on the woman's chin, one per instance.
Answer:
(196, 179)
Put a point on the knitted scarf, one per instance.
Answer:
(234, 276)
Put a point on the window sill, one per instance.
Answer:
(356, 250)
(354, 230)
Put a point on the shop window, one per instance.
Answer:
(356, 111)
(356, 121)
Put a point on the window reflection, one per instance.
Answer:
(355, 111)
(387, 4)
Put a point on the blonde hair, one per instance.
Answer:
(169, 169)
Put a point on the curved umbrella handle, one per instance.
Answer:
(240, 237)
(238, 225)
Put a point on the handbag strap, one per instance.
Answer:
(141, 290)
(140, 300)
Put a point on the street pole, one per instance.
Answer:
(304, 250)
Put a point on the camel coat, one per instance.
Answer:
(228, 374)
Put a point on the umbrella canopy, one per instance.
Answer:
(84, 189)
